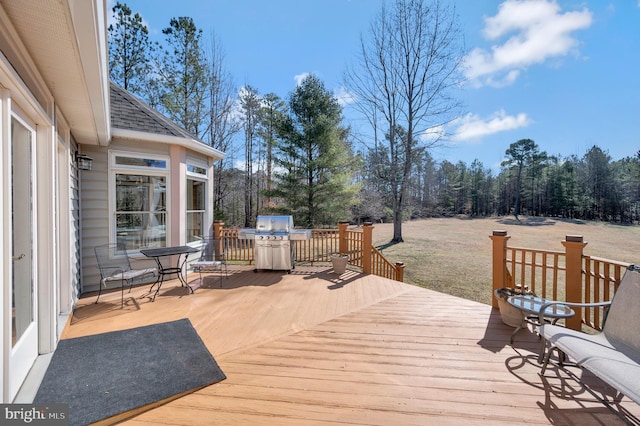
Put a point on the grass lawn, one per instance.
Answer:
(453, 255)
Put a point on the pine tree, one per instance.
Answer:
(129, 50)
(184, 77)
(314, 177)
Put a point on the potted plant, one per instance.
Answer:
(339, 262)
(510, 315)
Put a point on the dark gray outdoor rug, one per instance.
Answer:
(110, 374)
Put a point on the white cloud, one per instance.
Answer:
(536, 29)
(473, 127)
(344, 97)
(434, 133)
(300, 77)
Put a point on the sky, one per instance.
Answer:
(565, 73)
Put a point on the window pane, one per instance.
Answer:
(137, 193)
(196, 169)
(196, 191)
(195, 229)
(139, 230)
(141, 162)
(195, 195)
(140, 211)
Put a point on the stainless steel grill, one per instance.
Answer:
(273, 248)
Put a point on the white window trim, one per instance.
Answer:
(200, 164)
(115, 169)
(113, 154)
(198, 178)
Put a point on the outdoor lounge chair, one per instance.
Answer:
(115, 266)
(613, 354)
(208, 261)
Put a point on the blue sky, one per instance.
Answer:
(564, 73)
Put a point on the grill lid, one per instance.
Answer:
(274, 224)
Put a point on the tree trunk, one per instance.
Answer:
(516, 209)
(397, 226)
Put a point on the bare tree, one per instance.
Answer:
(407, 68)
(222, 123)
(250, 104)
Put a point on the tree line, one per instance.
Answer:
(296, 155)
(530, 182)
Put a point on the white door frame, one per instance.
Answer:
(14, 93)
(66, 290)
(24, 260)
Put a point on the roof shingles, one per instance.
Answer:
(130, 113)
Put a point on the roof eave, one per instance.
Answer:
(191, 144)
(89, 21)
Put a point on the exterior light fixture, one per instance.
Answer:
(83, 162)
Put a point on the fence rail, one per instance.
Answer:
(568, 275)
(355, 249)
(323, 243)
(601, 278)
(381, 266)
(356, 243)
(539, 270)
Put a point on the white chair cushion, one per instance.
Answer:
(204, 264)
(608, 358)
(129, 275)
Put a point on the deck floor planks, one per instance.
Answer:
(312, 348)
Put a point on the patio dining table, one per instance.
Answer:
(158, 253)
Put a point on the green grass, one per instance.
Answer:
(453, 255)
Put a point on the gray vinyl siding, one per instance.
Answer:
(94, 186)
(94, 214)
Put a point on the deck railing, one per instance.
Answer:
(540, 270)
(567, 275)
(354, 242)
(319, 248)
(381, 266)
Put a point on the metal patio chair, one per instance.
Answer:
(114, 265)
(208, 261)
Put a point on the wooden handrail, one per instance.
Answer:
(568, 275)
(356, 243)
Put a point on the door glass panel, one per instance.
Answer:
(22, 283)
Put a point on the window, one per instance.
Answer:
(140, 202)
(196, 170)
(140, 162)
(196, 202)
(195, 210)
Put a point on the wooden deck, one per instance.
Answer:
(314, 348)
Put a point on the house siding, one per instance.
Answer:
(94, 193)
